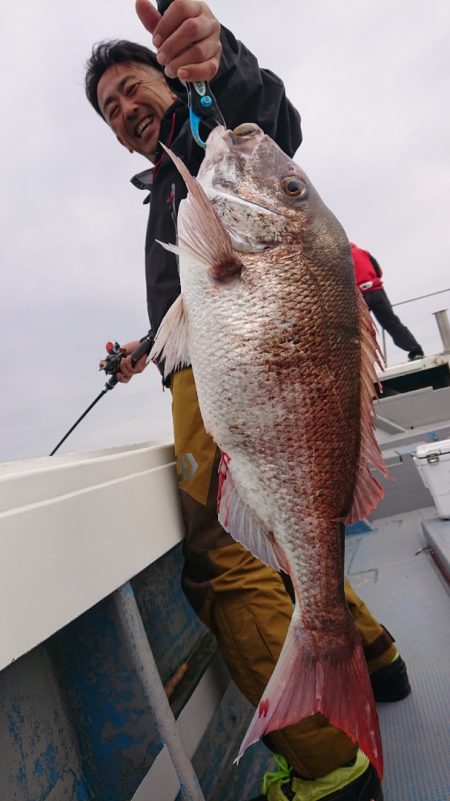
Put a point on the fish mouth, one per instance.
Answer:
(246, 136)
(244, 202)
(246, 210)
(243, 141)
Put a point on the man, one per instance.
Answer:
(368, 277)
(243, 602)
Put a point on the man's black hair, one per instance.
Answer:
(109, 52)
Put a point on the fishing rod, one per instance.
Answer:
(111, 365)
(203, 107)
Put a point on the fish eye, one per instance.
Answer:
(293, 187)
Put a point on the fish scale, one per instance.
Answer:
(282, 349)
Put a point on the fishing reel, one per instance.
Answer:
(111, 363)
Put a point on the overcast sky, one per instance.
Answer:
(371, 79)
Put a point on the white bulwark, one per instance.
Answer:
(75, 528)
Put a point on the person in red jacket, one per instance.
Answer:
(368, 277)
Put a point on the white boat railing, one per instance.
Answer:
(73, 529)
(441, 320)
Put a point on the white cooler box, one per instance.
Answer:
(433, 464)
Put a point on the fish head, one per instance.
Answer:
(261, 196)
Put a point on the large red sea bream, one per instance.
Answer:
(283, 349)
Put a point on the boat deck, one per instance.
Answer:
(391, 568)
(90, 604)
(405, 590)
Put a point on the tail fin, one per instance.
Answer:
(307, 680)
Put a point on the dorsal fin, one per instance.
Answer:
(368, 491)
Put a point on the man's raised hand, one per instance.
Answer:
(186, 38)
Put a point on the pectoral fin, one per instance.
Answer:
(201, 233)
(171, 341)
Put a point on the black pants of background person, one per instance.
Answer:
(379, 304)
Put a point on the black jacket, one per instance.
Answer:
(244, 93)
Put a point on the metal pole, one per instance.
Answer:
(420, 297)
(144, 663)
(383, 336)
(444, 328)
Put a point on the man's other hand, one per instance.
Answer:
(186, 38)
(127, 370)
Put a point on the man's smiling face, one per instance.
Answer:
(133, 99)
